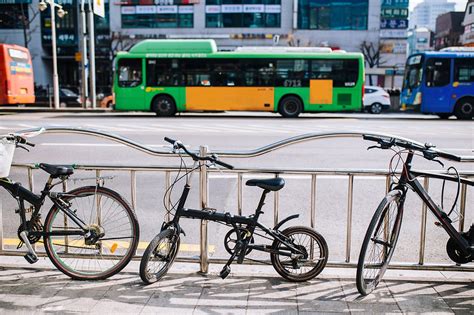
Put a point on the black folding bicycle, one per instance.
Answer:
(89, 233)
(382, 234)
(298, 253)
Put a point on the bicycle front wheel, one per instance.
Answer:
(110, 241)
(159, 256)
(379, 242)
(305, 264)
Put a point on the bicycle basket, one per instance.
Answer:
(7, 148)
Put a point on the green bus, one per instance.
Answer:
(170, 76)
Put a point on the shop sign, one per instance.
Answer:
(166, 9)
(213, 9)
(393, 33)
(254, 8)
(272, 8)
(393, 47)
(231, 8)
(395, 3)
(186, 9)
(129, 10)
(401, 13)
(145, 9)
(393, 24)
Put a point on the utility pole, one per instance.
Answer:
(92, 56)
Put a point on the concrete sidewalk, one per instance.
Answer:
(248, 290)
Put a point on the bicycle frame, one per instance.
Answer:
(21, 194)
(251, 222)
(409, 178)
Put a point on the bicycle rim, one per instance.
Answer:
(313, 261)
(113, 221)
(379, 243)
(159, 256)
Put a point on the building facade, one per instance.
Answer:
(426, 12)
(468, 23)
(449, 30)
(343, 24)
(420, 40)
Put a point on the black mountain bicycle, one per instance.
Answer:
(298, 253)
(89, 233)
(382, 234)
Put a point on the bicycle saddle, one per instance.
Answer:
(57, 170)
(272, 184)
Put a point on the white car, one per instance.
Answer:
(376, 99)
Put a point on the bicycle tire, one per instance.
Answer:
(319, 255)
(150, 276)
(367, 279)
(112, 254)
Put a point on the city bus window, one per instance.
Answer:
(130, 72)
(258, 72)
(163, 72)
(225, 72)
(344, 73)
(196, 72)
(438, 72)
(292, 73)
(464, 70)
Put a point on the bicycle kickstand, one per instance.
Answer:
(226, 269)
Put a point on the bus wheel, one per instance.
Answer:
(464, 108)
(164, 106)
(290, 107)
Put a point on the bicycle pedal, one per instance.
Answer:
(224, 272)
(31, 258)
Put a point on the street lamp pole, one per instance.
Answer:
(42, 6)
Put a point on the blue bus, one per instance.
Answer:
(440, 83)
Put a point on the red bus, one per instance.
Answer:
(16, 75)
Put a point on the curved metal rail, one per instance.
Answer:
(230, 154)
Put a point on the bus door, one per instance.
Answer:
(438, 89)
(130, 93)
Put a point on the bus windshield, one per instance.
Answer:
(413, 72)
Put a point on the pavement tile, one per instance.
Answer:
(417, 297)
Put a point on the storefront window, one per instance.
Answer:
(157, 16)
(333, 15)
(243, 13)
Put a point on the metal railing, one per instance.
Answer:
(239, 173)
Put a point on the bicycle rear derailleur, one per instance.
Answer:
(455, 253)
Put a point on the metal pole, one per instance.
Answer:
(133, 188)
(55, 57)
(84, 59)
(350, 192)
(92, 56)
(462, 210)
(276, 204)
(203, 191)
(421, 258)
(239, 193)
(313, 200)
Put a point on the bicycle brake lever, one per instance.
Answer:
(441, 163)
(373, 147)
(22, 147)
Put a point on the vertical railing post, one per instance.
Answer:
(239, 193)
(350, 192)
(276, 204)
(168, 198)
(66, 238)
(462, 207)
(313, 200)
(203, 196)
(133, 188)
(421, 258)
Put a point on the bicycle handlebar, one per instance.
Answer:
(195, 157)
(427, 149)
(18, 139)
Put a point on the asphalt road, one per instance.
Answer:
(247, 131)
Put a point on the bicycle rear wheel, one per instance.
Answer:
(300, 267)
(379, 242)
(110, 243)
(159, 256)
